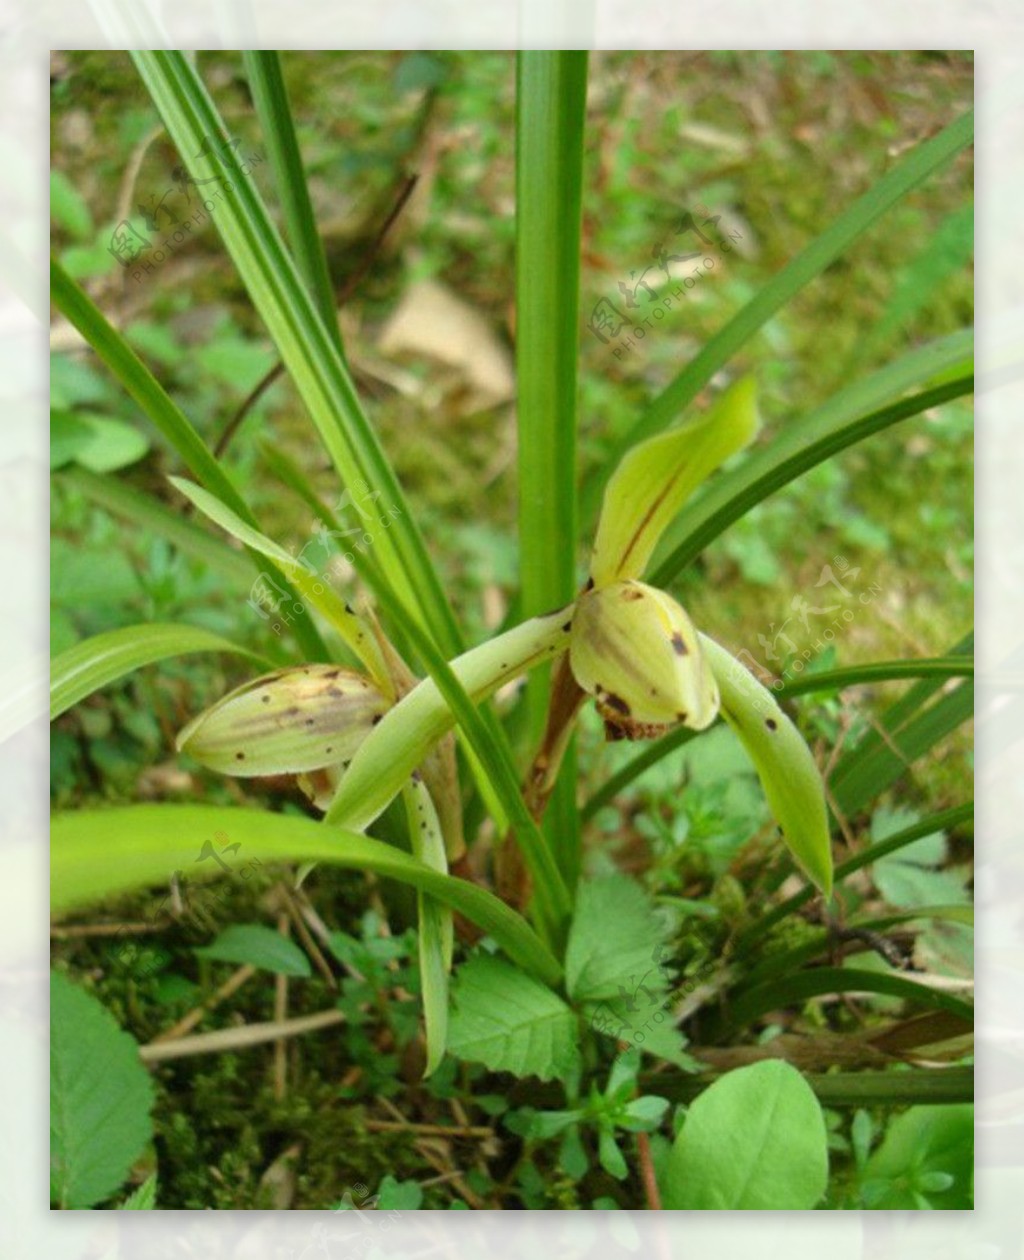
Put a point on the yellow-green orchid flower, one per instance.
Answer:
(635, 650)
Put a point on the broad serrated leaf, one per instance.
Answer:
(754, 1140)
(100, 1099)
(655, 479)
(506, 1020)
(259, 946)
(615, 943)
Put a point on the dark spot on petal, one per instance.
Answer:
(375, 719)
(311, 721)
(416, 776)
(328, 750)
(335, 691)
(350, 610)
(293, 710)
(266, 699)
(771, 724)
(332, 673)
(617, 703)
(678, 646)
(631, 593)
(680, 716)
(567, 627)
(239, 756)
(590, 584)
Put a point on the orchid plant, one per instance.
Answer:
(379, 699)
(630, 646)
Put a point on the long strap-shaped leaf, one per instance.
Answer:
(100, 853)
(919, 163)
(271, 100)
(95, 662)
(309, 352)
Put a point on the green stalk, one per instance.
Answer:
(551, 90)
(400, 741)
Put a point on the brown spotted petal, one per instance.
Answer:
(291, 721)
(635, 650)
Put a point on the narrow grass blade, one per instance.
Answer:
(749, 1005)
(858, 780)
(96, 854)
(94, 663)
(896, 718)
(128, 369)
(946, 252)
(270, 97)
(313, 588)
(146, 511)
(944, 821)
(922, 161)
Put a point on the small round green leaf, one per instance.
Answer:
(754, 1140)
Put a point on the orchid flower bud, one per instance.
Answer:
(635, 650)
(287, 722)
